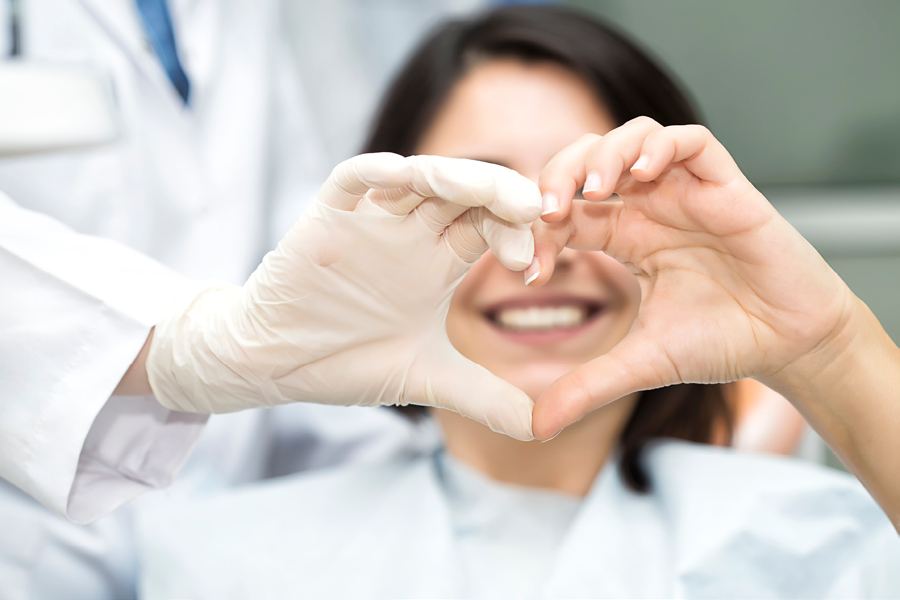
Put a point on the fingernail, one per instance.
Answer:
(592, 182)
(533, 270)
(641, 163)
(549, 203)
(552, 436)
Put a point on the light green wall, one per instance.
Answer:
(876, 280)
(800, 91)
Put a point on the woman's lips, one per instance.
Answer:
(543, 320)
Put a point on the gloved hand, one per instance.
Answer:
(351, 307)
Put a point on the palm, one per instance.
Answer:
(714, 279)
(729, 288)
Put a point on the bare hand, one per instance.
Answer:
(729, 288)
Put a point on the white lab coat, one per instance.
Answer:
(717, 524)
(203, 192)
(96, 244)
(45, 556)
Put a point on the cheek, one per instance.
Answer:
(535, 376)
(632, 292)
(621, 280)
(462, 318)
(477, 276)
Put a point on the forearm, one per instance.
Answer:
(849, 391)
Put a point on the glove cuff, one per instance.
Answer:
(183, 366)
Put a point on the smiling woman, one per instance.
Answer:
(515, 90)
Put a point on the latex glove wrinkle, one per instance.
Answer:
(351, 307)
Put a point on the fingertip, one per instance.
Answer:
(593, 189)
(555, 216)
(556, 208)
(549, 204)
(515, 252)
(641, 163)
(514, 197)
(549, 439)
(536, 281)
(546, 423)
(595, 197)
(592, 183)
(641, 168)
(541, 269)
(533, 203)
(386, 169)
(533, 271)
(513, 263)
(561, 405)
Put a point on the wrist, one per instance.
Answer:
(857, 352)
(847, 391)
(135, 381)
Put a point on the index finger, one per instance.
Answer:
(562, 177)
(350, 180)
(576, 165)
(471, 183)
(589, 226)
(692, 145)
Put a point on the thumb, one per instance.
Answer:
(637, 363)
(454, 382)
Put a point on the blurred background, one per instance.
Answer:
(805, 95)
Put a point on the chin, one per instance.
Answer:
(534, 378)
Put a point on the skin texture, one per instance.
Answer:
(754, 299)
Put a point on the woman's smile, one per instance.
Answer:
(543, 320)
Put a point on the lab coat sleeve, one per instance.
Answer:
(75, 310)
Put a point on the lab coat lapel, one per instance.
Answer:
(198, 28)
(183, 177)
(616, 546)
(121, 21)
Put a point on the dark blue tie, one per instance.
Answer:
(158, 24)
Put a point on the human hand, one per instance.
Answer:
(729, 288)
(351, 307)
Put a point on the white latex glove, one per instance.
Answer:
(351, 307)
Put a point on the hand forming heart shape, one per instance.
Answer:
(729, 288)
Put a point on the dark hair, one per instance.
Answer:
(629, 84)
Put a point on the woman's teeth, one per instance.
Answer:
(542, 318)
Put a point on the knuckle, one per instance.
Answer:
(581, 388)
(338, 170)
(701, 129)
(658, 135)
(645, 121)
(553, 175)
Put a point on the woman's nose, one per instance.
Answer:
(564, 263)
